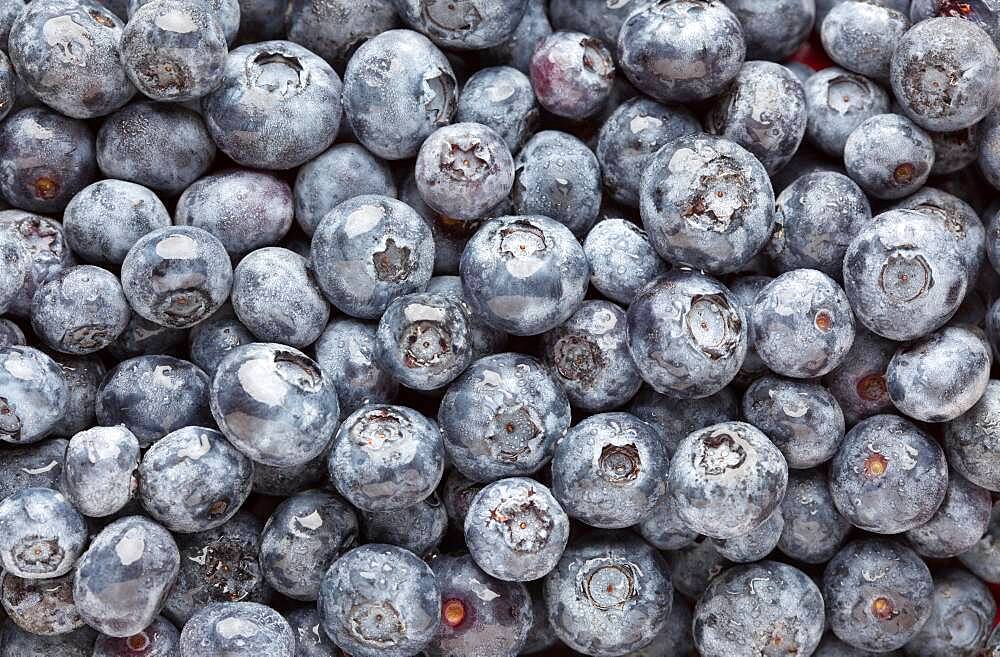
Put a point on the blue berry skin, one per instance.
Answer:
(837, 102)
(17, 266)
(609, 594)
(984, 13)
(755, 478)
(831, 646)
(676, 417)
(675, 639)
(635, 130)
(100, 470)
(303, 536)
(681, 50)
(345, 351)
(524, 274)
(889, 156)
(83, 375)
(663, 528)
(588, 354)
(237, 629)
(213, 339)
(274, 404)
(502, 417)
(609, 471)
(153, 396)
(143, 337)
(467, 25)
(989, 149)
(245, 210)
(332, 30)
(959, 218)
(45, 159)
(80, 310)
(803, 326)
(517, 50)
(572, 74)
(123, 579)
(594, 17)
(395, 612)
(10, 333)
(973, 442)
(753, 546)
(391, 115)
(450, 235)
(278, 106)
(502, 99)
(42, 534)
(193, 479)
(9, 11)
(958, 524)
(940, 376)
(106, 218)
(282, 481)
(774, 32)
(755, 608)
(962, 615)
(746, 289)
(877, 614)
(687, 334)
(706, 203)
(954, 150)
(173, 50)
(622, 259)
(260, 297)
(983, 558)
(340, 173)
(33, 394)
(163, 146)
(694, 566)
(457, 492)
(41, 606)
(481, 615)
(38, 465)
(67, 54)
(861, 36)
(422, 533)
(813, 528)
(904, 275)
(888, 476)
(540, 635)
(485, 339)
(160, 639)
(310, 640)
(369, 250)
(386, 458)
(16, 642)
(226, 12)
(177, 276)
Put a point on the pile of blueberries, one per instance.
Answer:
(485, 328)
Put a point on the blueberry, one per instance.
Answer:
(622, 259)
(153, 396)
(310, 640)
(595, 17)
(877, 614)
(237, 629)
(983, 13)
(861, 36)
(83, 375)
(963, 612)
(676, 417)
(663, 528)
(333, 30)
(425, 527)
(9, 11)
(681, 50)
(10, 333)
(278, 106)
(160, 639)
(954, 150)
(540, 636)
(889, 156)
(80, 310)
(813, 528)
(831, 646)
(693, 566)
(38, 465)
(143, 337)
(369, 250)
(17, 260)
(391, 115)
(274, 404)
(345, 351)
(67, 54)
(226, 12)
(706, 202)
(774, 31)
(983, 558)
(524, 274)
(959, 523)
(687, 334)
(33, 394)
(756, 608)
(41, 606)
(972, 441)
(289, 479)
(213, 339)
(105, 219)
(502, 99)
(958, 217)
(394, 613)
(42, 534)
(386, 457)
(571, 74)
(457, 493)
(100, 470)
(450, 235)
(609, 594)
(992, 647)
(888, 475)
(463, 25)
(745, 289)
(20, 643)
(989, 149)
(485, 339)
(517, 50)
(837, 102)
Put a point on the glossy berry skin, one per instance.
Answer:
(802, 324)
(80, 310)
(681, 50)
(706, 203)
(331, 30)
(960, 521)
(502, 99)
(524, 274)
(889, 156)
(42, 534)
(888, 476)
(959, 218)
(502, 417)
(261, 299)
(104, 219)
(622, 259)
(754, 608)
(177, 276)
(396, 613)
(609, 470)
(516, 530)
(940, 376)
(468, 25)
(99, 470)
(972, 442)
(609, 594)
(369, 250)
(391, 115)
(774, 32)
(46, 48)
(425, 527)
(160, 639)
(173, 50)
(33, 394)
(480, 614)
(278, 106)
(903, 275)
(123, 579)
(237, 629)
(883, 614)
(304, 535)
(163, 146)
(571, 74)
(813, 528)
(695, 320)
(386, 457)
(861, 36)
(274, 404)
(726, 507)
(345, 351)
(45, 158)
